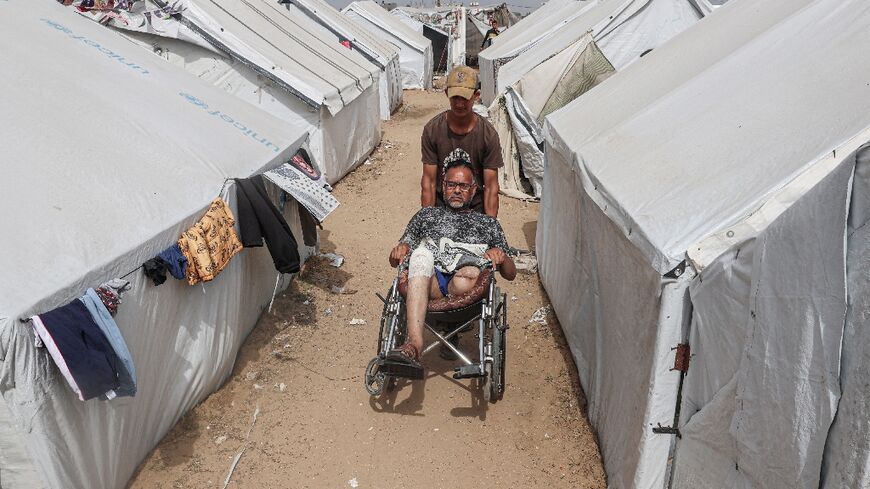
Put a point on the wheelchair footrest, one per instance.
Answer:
(399, 369)
(467, 372)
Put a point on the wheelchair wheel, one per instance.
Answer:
(374, 380)
(393, 311)
(496, 372)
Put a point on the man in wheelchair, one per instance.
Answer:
(448, 247)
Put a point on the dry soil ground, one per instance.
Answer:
(295, 406)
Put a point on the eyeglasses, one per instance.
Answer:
(465, 187)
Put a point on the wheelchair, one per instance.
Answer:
(485, 304)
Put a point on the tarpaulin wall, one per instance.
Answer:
(166, 144)
(547, 87)
(184, 342)
(447, 20)
(473, 39)
(519, 38)
(375, 50)
(847, 452)
(440, 48)
(338, 142)
(762, 212)
(770, 316)
(620, 330)
(415, 51)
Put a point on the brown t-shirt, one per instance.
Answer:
(481, 145)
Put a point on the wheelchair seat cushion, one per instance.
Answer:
(453, 302)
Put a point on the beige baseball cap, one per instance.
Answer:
(462, 82)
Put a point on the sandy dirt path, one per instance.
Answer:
(295, 406)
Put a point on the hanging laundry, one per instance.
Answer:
(209, 244)
(110, 293)
(155, 269)
(170, 260)
(259, 220)
(79, 349)
(176, 262)
(126, 370)
(309, 226)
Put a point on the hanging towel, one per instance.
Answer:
(79, 349)
(259, 220)
(209, 244)
(101, 316)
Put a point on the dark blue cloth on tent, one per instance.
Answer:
(176, 263)
(86, 352)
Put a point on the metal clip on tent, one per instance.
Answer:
(681, 364)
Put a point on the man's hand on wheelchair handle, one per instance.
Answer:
(398, 254)
(496, 255)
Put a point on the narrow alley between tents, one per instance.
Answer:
(296, 408)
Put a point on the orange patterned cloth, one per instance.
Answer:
(210, 243)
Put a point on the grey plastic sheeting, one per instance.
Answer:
(620, 319)
(766, 333)
(415, 51)
(723, 149)
(635, 129)
(101, 176)
(381, 53)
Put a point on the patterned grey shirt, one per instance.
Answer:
(456, 239)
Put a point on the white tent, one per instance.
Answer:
(279, 60)
(373, 48)
(622, 29)
(479, 22)
(517, 114)
(109, 154)
(441, 31)
(438, 38)
(521, 36)
(723, 203)
(563, 65)
(415, 51)
(449, 21)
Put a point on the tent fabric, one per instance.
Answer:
(161, 146)
(569, 61)
(757, 198)
(338, 141)
(306, 55)
(308, 62)
(376, 50)
(478, 22)
(407, 19)
(441, 40)
(474, 31)
(415, 51)
(847, 452)
(797, 314)
(622, 30)
(689, 80)
(451, 21)
(520, 37)
(730, 421)
(547, 87)
(584, 260)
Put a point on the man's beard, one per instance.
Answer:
(461, 205)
